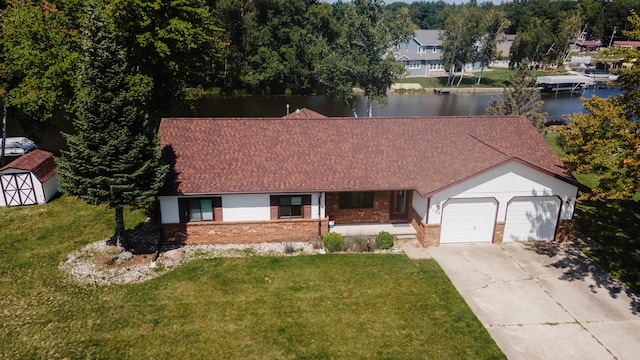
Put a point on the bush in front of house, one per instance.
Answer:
(333, 242)
(359, 243)
(384, 240)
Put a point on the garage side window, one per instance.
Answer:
(356, 199)
(200, 209)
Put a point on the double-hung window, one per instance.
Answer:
(290, 207)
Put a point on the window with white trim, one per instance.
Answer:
(414, 64)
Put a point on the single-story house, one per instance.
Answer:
(489, 179)
(28, 180)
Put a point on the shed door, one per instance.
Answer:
(468, 220)
(17, 189)
(532, 218)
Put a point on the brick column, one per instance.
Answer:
(564, 232)
(498, 233)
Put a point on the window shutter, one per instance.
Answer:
(183, 208)
(274, 207)
(306, 206)
(217, 209)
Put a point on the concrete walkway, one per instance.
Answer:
(543, 300)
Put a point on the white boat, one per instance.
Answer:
(16, 146)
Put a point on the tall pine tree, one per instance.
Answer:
(520, 98)
(114, 157)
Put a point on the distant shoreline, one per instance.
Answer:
(411, 88)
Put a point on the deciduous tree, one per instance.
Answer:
(460, 39)
(39, 51)
(606, 140)
(362, 56)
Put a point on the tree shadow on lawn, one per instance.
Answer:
(609, 233)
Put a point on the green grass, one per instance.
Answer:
(616, 226)
(492, 78)
(315, 307)
(613, 224)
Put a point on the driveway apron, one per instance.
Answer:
(543, 300)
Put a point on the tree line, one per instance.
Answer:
(178, 49)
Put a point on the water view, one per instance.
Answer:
(397, 105)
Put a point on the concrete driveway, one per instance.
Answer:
(542, 300)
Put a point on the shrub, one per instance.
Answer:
(316, 242)
(356, 243)
(289, 248)
(384, 240)
(360, 244)
(333, 242)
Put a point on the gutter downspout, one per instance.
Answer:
(319, 215)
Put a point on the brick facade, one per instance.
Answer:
(379, 213)
(416, 221)
(432, 237)
(564, 232)
(245, 232)
(498, 232)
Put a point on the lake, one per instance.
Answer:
(397, 105)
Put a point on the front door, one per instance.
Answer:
(399, 205)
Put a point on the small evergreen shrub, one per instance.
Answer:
(333, 242)
(384, 240)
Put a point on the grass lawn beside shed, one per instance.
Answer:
(316, 307)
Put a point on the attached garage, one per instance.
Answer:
(468, 220)
(532, 218)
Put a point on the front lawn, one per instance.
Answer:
(317, 307)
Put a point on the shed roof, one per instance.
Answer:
(254, 155)
(41, 163)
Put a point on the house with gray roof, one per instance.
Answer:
(489, 179)
(421, 56)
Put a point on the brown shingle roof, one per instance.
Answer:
(39, 162)
(341, 154)
(304, 113)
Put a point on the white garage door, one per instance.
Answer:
(532, 218)
(468, 220)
